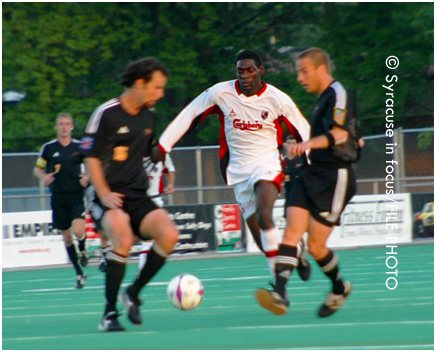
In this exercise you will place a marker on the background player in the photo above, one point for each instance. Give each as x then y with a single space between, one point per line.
59 166
251 113
320 195
156 187
293 165
118 136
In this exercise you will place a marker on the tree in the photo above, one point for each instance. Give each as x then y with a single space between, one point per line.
71 61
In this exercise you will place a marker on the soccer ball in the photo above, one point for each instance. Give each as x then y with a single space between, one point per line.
185 292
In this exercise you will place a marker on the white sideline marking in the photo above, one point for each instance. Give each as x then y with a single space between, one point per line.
97 334
362 347
213 279
330 325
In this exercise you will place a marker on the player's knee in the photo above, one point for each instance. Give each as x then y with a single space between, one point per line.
68 241
172 236
264 218
315 248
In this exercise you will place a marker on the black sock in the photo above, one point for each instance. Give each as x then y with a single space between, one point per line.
71 250
82 243
286 261
116 267
330 266
155 260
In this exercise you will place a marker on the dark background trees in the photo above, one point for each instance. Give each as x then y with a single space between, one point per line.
68 57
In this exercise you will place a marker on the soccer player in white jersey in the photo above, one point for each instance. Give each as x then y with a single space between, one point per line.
156 187
251 113
155 173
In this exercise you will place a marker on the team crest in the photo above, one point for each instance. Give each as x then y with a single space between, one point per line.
339 116
264 115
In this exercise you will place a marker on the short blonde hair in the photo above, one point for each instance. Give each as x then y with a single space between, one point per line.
64 115
319 57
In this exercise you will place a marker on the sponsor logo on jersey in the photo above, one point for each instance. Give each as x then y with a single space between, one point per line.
246 125
56 155
264 115
339 116
148 131
232 113
123 130
87 143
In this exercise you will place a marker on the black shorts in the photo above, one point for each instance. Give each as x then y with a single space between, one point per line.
66 208
137 206
324 191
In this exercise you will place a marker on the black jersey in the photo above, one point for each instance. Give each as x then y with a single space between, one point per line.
336 107
65 162
120 141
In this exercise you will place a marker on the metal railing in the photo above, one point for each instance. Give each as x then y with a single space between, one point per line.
199 180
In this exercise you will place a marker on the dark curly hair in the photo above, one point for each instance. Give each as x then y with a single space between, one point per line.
143 68
249 54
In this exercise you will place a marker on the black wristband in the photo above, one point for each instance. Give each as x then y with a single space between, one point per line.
330 139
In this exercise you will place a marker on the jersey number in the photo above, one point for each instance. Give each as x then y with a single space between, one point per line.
121 153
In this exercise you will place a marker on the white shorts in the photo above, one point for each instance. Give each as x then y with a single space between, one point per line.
244 191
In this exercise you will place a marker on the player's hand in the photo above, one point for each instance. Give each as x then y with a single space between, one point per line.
170 189
84 180
297 149
112 200
49 178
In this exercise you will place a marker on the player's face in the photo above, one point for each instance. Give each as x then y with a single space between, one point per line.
154 90
64 126
249 76
308 75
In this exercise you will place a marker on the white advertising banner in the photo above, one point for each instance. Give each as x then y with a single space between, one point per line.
367 220
374 220
30 240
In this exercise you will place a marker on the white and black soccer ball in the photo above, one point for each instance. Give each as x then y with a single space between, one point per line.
185 292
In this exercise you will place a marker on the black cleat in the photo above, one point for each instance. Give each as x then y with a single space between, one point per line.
334 302
303 267
110 322
132 307
103 265
272 300
81 279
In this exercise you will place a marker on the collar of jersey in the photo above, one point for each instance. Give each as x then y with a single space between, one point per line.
259 93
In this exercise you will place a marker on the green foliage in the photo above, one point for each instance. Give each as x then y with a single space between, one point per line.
68 56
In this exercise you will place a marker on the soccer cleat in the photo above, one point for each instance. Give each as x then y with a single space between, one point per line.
273 301
303 267
83 258
110 322
132 306
334 302
102 266
81 279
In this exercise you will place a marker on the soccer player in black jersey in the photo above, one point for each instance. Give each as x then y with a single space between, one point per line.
118 136
59 166
325 187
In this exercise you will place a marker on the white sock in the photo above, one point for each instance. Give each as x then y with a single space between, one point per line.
145 248
270 240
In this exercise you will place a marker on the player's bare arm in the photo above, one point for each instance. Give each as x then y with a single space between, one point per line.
46 178
339 136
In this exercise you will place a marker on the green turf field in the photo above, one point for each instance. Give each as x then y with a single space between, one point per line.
42 310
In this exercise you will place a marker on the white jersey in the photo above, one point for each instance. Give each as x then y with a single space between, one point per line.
251 127
155 174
